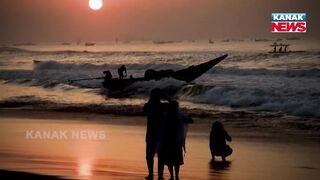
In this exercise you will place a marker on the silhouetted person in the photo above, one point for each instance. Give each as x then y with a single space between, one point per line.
155 111
121 72
280 49
172 143
285 48
218 137
275 48
107 75
275 45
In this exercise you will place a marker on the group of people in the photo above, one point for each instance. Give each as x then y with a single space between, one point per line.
122 72
166 135
282 47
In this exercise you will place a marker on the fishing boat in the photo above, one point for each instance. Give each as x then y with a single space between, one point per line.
189 74
89 44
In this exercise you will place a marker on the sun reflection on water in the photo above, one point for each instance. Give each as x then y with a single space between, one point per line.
85 168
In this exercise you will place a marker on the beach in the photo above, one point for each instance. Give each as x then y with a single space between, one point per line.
53 125
85 84
120 154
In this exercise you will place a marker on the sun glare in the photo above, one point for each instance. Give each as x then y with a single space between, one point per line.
95 4
84 169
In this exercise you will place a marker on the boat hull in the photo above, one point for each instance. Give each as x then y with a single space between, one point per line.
189 74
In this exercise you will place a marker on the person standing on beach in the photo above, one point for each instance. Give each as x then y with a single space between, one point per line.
155 111
173 141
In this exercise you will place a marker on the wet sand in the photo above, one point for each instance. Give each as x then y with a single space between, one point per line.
16 175
121 154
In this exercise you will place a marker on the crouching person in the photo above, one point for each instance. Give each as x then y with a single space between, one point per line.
218 145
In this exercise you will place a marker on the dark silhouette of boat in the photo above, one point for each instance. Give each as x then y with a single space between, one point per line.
36 61
165 42
89 44
189 74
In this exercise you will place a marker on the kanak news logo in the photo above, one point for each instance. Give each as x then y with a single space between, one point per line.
288 22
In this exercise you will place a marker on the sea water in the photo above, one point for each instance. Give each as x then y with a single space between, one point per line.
251 79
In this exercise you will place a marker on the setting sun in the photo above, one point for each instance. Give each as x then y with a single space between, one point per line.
95 4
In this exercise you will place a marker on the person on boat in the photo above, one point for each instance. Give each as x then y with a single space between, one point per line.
107 75
155 111
275 45
218 137
280 49
275 48
285 47
122 71
172 143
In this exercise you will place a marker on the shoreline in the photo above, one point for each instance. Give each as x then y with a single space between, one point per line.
200 125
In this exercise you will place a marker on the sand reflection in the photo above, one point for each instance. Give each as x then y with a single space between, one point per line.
122 154
85 168
219 168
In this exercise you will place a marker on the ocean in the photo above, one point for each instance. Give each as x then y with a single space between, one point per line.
251 80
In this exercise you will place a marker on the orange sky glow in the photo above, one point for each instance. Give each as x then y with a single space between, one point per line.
71 20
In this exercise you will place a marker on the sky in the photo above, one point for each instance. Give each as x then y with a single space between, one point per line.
73 20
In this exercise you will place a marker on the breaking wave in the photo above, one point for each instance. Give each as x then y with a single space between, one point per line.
292 91
295 103
312 73
240 118
290 98
62 72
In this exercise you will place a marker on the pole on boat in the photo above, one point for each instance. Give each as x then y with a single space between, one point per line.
84 79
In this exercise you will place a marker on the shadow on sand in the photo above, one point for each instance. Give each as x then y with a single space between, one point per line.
219 168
